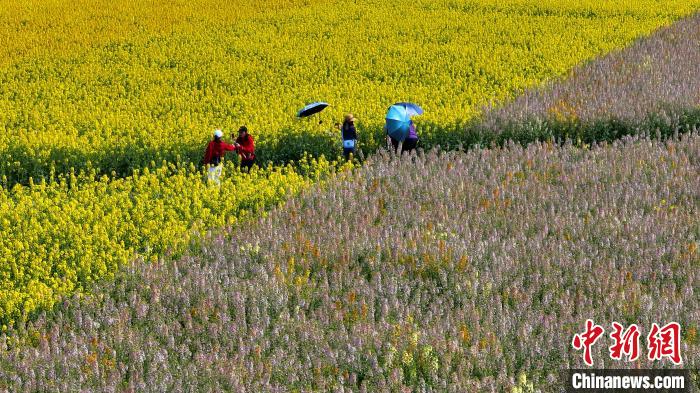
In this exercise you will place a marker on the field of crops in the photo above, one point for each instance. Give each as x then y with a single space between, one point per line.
651 86
121 84
453 272
59 237
104 114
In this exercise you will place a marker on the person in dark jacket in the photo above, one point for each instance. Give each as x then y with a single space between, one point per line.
245 146
213 157
349 134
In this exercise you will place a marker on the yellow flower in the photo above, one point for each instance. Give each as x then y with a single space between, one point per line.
407 358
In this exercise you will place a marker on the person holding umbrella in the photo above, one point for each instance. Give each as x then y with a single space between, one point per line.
409 143
349 134
400 128
245 146
213 157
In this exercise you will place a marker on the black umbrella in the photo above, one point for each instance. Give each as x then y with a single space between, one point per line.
312 109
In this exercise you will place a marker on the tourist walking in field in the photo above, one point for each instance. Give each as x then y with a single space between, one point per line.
349 134
409 144
214 155
245 146
400 129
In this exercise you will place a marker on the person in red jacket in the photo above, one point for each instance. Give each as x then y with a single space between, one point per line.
245 146
216 149
214 155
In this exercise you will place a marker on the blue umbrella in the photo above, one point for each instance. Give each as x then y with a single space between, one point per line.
397 122
413 109
312 109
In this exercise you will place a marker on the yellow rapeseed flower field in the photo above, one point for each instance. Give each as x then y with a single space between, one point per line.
60 236
93 91
120 84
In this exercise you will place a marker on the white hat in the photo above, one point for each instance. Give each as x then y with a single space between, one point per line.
218 133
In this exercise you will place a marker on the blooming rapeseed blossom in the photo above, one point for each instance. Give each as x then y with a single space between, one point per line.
100 93
59 237
85 114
